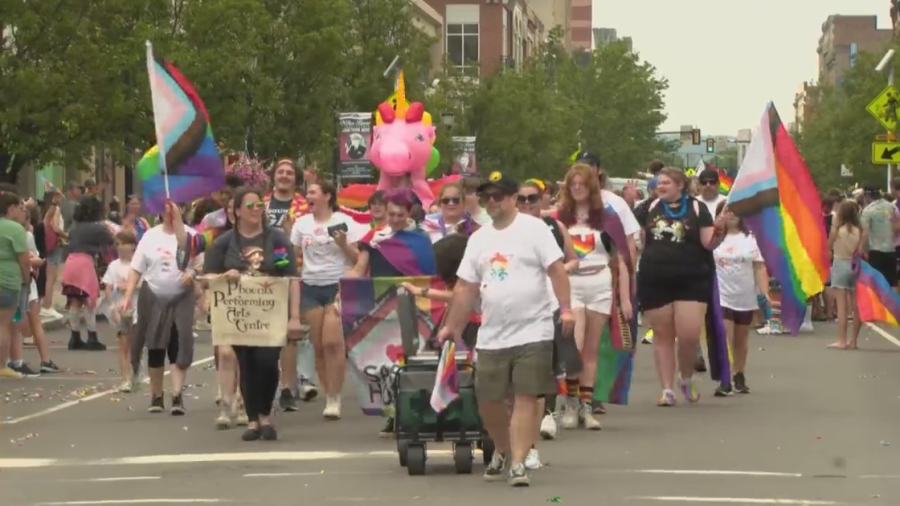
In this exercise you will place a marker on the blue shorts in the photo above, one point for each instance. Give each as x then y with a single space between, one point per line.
314 297
55 257
10 299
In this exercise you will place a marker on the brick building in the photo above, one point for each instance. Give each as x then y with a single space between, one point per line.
582 22
843 38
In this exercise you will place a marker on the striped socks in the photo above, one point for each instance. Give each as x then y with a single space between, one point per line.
573 388
586 395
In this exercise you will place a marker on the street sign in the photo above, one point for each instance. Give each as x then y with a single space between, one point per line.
885 108
845 171
886 137
885 153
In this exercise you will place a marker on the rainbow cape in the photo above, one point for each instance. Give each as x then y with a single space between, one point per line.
190 159
408 251
875 300
775 195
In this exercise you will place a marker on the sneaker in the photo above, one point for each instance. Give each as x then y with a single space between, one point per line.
667 399
242 420
723 390
225 420
25 370
50 314
533 460
599 408
308 392
548 427
49 367
518 476
586 418
6 372
740 384
125 387
494 470
28 341
570 414
157 405
332 408
689 390
268 433
286 401
700 364
648 337
177 405
388 430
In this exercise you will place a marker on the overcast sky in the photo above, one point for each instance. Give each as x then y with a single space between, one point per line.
725 59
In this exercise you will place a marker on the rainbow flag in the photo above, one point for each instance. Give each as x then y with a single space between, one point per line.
775 195
185 164
446 382
875 300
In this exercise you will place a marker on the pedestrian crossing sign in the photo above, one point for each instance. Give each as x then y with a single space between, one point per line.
885 107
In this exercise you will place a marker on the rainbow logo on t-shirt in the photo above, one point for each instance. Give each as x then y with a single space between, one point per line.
584 244
499 265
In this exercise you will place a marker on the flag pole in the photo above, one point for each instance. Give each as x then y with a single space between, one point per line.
159 139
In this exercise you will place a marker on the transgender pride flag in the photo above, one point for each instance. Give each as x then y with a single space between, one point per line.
446 384
185 164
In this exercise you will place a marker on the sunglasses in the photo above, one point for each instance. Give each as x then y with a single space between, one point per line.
531 199
255 205
451 200
709 182
492 196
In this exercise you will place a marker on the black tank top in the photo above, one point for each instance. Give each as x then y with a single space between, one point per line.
554 228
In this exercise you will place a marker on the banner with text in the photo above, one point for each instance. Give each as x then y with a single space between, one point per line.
464 163
353 144
249 312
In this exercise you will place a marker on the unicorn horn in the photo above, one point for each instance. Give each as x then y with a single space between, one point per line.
400 89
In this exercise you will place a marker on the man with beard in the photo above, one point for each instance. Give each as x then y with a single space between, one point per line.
283 206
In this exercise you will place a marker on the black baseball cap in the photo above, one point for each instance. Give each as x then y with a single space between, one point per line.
499 180
588 158
708 175
872 190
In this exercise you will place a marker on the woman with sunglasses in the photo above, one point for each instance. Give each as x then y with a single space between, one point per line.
529 201
232 255
452 216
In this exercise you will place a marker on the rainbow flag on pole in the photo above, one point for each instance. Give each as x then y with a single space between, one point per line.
775 195
185 164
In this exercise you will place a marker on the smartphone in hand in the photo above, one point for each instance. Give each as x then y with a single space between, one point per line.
339 227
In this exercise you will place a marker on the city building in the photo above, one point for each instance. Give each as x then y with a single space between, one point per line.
805 101
604 36
582 22
556 14
843 38
427 20
483 36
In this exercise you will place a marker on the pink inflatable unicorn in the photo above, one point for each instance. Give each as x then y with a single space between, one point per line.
401 147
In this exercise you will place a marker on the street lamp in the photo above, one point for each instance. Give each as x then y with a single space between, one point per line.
447 119
886 63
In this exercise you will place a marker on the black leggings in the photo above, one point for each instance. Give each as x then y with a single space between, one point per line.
259 378
157 358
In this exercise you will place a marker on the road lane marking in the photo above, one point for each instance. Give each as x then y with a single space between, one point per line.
734 500
136 501
720 473
81 377
891 339
880 477
92 397
114 479
320 473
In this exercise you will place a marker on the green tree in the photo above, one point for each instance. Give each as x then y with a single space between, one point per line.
841 131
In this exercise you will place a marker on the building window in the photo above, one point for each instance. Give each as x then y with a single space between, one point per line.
462 46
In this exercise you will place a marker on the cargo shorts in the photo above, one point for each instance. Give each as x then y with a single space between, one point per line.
525 370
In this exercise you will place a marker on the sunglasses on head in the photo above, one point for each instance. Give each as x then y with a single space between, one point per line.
451 200
492 196
531 199
255 205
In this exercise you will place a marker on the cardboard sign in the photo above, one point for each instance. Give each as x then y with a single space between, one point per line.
250 312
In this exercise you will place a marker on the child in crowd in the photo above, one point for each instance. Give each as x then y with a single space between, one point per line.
115 281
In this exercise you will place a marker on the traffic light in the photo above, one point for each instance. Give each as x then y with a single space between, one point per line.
695 136
710 145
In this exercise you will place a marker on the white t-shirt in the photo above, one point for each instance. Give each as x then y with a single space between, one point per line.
511 267
155 259
323 260
713 204
117 273
588 246
734 269
626 214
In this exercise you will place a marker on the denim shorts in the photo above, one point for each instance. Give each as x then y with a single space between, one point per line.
55 257
313 297
10 299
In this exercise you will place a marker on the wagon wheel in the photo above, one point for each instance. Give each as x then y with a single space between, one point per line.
415 459
462 458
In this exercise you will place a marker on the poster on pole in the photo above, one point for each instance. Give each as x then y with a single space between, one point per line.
464 163
249 312
354 135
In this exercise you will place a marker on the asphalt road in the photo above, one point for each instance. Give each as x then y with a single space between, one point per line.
817 430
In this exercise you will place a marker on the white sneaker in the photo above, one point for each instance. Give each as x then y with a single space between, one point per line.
225 420
570 414
586 418
332 408
533 460
308 392
126 387
50 313
28 341
548 429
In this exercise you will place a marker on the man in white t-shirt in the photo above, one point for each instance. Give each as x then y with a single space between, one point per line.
709 190
506 263
619 205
